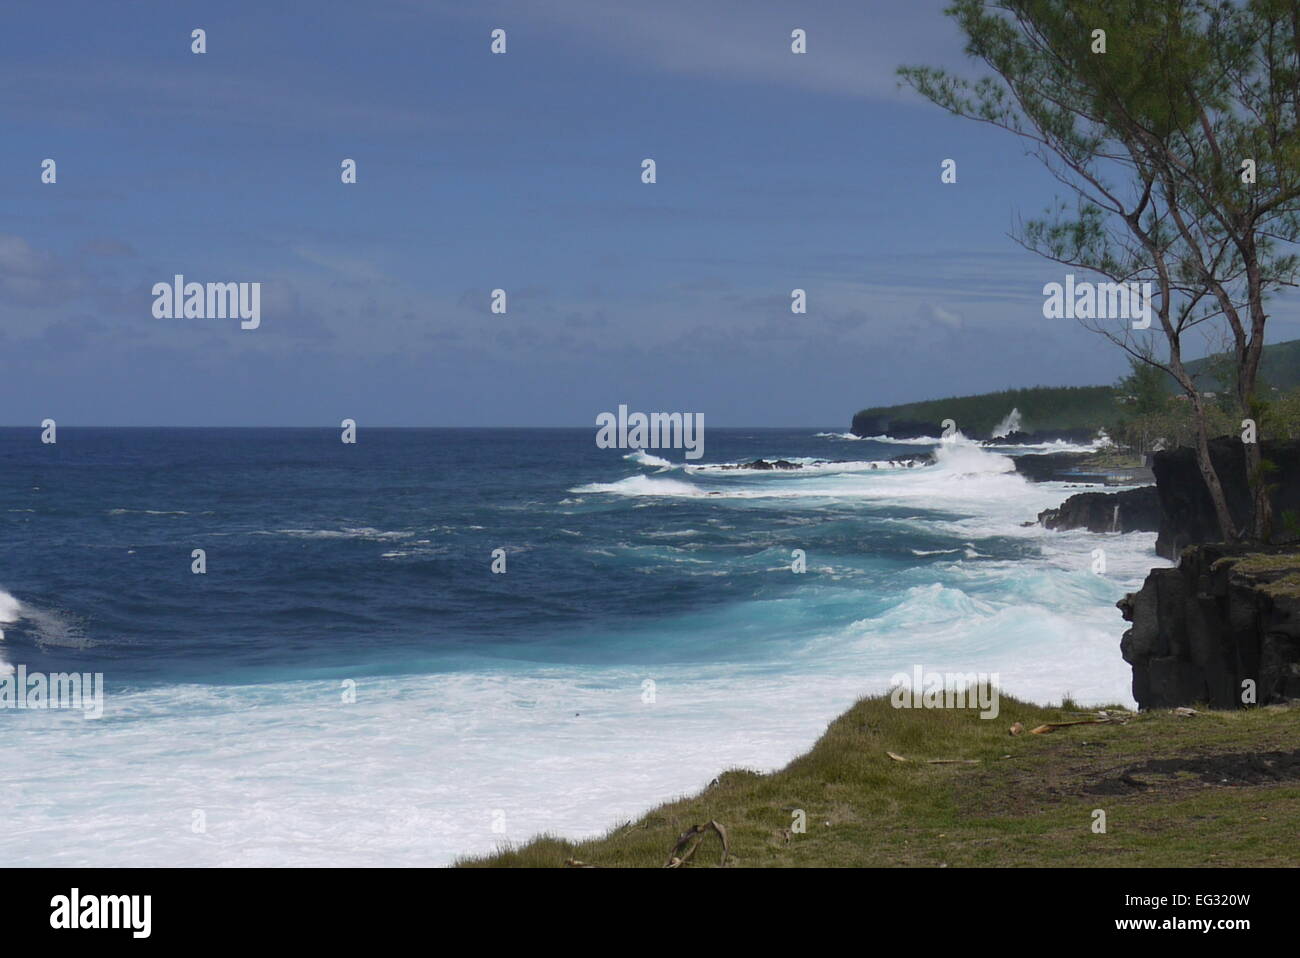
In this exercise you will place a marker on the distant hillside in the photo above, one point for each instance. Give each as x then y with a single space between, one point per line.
1051 408
1279 367
1041 408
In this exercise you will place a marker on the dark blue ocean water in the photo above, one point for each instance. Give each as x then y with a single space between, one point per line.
378 553
323 554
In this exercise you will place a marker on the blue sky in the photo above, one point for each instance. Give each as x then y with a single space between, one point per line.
522 172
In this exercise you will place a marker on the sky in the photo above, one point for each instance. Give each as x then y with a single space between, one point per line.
519 171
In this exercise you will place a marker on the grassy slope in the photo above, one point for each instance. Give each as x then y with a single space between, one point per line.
1028 801
1279 366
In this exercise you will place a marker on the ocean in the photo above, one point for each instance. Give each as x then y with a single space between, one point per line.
350 682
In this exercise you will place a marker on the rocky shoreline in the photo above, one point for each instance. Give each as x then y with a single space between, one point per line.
867 427
1133 510
765 465
1187 514
1081 467
1223 627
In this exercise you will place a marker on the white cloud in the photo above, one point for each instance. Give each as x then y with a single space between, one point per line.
946 317
348 267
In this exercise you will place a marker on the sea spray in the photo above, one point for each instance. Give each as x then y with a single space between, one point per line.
1010 424
11 610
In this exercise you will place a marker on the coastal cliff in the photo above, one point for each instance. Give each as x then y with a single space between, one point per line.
1222 618
1178 506
1072 413
1133 510
1186 512
1227 619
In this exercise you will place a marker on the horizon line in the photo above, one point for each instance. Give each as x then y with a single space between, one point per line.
334 428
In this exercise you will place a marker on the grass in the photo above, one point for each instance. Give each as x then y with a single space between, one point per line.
1285 587
1112 457
1259 562
1279 572
1216 788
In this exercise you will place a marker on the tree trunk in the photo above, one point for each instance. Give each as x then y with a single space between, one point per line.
1261 524
1227 528
1261 527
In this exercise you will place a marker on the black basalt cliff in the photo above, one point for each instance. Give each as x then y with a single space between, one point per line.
1223 629
1178 506
1186 511
866 425
1133 510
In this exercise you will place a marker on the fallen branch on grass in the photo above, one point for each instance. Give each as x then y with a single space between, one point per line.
936 761
693 836
1053 726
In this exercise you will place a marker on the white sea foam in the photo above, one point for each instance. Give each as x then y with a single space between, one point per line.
11 610
643 486
289 776
415 771
643 458
962 468
1010 424
964 458
1055 445
46 626
364 532
808 466
917 441
1012 449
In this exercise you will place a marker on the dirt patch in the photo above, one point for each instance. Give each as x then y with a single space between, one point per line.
1235 769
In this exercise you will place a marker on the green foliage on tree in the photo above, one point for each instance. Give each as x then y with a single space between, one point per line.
1175 124
1144 390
